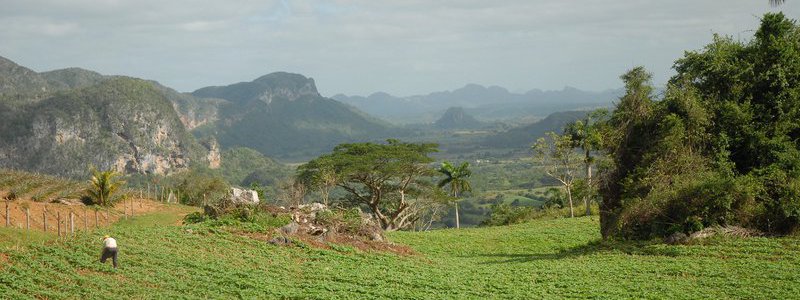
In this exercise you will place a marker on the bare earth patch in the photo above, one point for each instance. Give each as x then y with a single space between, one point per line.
83 217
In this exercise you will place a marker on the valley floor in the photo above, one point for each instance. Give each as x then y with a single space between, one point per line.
543 259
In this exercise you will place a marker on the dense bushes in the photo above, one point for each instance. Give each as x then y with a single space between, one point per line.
240 218
720 148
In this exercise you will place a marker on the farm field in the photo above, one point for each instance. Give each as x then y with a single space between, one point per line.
542 259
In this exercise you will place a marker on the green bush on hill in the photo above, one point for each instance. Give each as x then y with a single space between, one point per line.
721 148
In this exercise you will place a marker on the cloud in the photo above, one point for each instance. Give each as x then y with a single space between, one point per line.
362 46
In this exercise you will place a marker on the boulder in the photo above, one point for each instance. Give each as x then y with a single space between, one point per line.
313 207
676 238
280 241
376 236
290 228
243 196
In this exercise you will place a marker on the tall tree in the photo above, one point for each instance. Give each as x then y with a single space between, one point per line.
555 154
387 178
456 178
587 135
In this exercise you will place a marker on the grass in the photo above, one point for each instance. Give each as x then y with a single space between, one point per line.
543 259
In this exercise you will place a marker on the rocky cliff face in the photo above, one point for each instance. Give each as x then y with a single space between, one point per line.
122 123
62 121
193 111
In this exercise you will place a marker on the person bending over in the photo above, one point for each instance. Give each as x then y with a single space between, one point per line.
109 250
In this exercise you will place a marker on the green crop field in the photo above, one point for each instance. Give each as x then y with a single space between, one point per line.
559 258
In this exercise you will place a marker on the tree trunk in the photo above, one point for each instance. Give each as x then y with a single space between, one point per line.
458 223
586 197
569 197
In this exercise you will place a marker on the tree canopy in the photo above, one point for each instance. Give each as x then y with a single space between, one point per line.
721 148
390 179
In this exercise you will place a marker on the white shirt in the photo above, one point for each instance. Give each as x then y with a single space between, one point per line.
110 243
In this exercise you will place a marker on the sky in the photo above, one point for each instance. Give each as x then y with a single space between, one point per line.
359 47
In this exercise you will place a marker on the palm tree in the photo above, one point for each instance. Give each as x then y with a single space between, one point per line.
776 2
103 186
456 178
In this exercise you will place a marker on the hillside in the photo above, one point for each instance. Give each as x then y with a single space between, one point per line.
525 136
121 123
16 79
457 118
283 115
543 259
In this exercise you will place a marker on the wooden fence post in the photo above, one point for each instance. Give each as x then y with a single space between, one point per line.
95 218
85 221
27 218
8 217
71 222
58 222
44 218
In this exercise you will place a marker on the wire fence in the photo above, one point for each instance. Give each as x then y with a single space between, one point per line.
67 218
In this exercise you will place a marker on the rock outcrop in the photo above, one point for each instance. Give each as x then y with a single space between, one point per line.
122 123
243 196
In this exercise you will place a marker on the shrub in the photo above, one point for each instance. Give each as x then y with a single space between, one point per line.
341 220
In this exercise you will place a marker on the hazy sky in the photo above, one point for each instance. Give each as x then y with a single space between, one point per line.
363 46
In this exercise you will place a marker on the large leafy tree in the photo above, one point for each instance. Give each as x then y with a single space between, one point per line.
389 179
456 178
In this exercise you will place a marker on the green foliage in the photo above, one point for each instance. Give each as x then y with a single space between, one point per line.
456 177
245 166
543 259
341 220
505 214
239 219
103 187
386 178
201 186
721 148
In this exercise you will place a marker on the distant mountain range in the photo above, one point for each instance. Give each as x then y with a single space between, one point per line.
485 103
61 121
